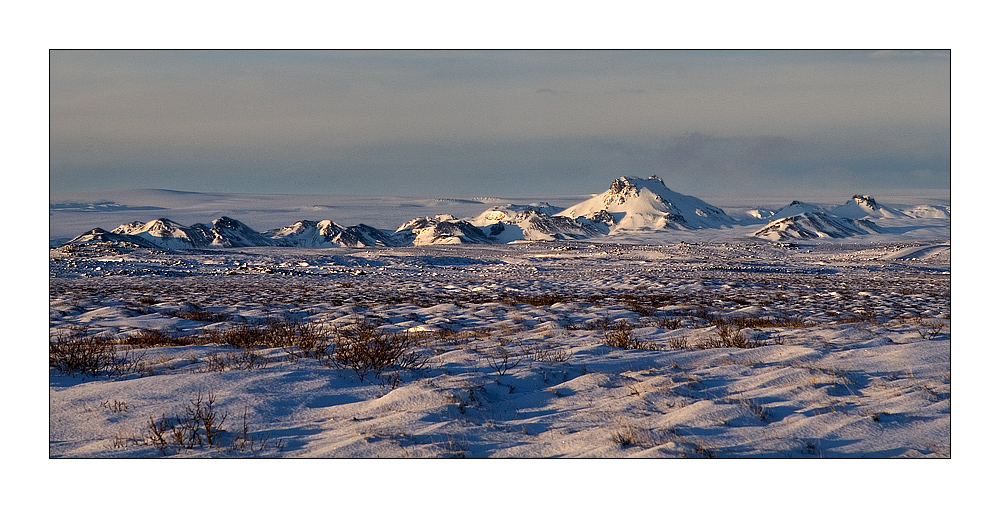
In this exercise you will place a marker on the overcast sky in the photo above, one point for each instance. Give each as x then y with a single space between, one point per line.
499 123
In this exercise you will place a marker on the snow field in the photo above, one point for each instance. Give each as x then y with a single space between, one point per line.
850 351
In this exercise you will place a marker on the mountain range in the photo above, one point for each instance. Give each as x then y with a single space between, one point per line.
629 205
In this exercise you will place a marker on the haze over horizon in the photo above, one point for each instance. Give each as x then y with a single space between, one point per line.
499 122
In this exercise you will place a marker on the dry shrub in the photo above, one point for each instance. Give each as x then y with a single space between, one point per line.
549 354
931 331
244 336
365 348
780 321
196 313
729 336
502 358
240 359
200 426
246 442
75 352
535 300
670 323
156 338
622 334
297 338
679 343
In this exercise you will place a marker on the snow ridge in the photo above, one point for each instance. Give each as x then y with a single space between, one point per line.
167 234
326 233
630 204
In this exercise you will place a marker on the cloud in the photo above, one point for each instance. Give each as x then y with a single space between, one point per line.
894 53
237 118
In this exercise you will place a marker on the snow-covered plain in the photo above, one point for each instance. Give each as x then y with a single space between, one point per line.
850 337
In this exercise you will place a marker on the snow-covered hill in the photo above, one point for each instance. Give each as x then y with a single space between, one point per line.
929 212
794 208
326 233
645 204
810 225
233 233
533 222
98 235
167 234
860 207
441 229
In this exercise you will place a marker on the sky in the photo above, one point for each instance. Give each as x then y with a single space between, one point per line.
499 122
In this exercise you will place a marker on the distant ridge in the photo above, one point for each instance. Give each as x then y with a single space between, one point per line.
630 204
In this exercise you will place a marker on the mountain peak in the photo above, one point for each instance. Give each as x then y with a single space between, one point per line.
863 205
647 203
866 201
632 184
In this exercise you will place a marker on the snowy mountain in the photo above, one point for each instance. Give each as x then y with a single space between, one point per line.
167 234
794 208
809 225
929 212
865 206
760 214
442 229
533 222
642 204
233 233
98 235
326 233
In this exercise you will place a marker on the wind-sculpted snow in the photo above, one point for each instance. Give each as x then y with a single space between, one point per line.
846 353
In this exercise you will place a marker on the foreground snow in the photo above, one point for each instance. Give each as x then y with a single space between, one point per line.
854 360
